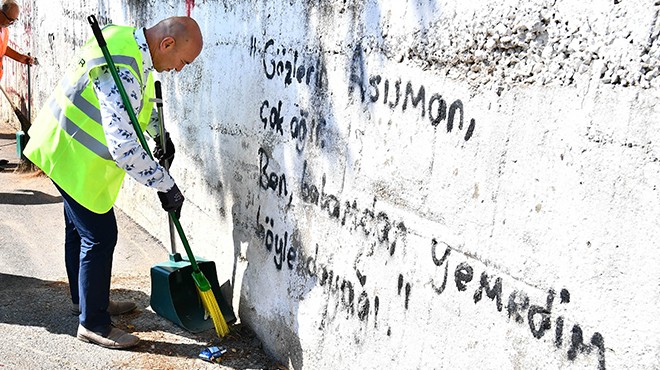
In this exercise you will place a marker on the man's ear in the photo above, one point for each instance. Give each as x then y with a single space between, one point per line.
167 42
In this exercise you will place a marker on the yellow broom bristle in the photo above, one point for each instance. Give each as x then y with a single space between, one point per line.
211 306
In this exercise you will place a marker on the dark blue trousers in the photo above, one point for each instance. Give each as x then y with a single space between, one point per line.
89 243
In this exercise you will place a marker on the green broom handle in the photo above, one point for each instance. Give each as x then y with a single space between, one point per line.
124 97
184 241
113 71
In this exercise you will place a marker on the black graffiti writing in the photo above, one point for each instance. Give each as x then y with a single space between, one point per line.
290 68
303 128
269 179
538 328
347 294
253 46
578 346
559 325
410 95
363 306
342 289
72 39
438 114
351 298
275 243
303 125
73 13
518 302
463 275
370 222
361 278
455 106
439 262
559 332
272 118
412 98
519 308
407 290
494 292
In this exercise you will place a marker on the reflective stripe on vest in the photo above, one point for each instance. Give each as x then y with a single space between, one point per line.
78 134
73 92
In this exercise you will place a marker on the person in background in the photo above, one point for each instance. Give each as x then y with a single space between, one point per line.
84 141
8 16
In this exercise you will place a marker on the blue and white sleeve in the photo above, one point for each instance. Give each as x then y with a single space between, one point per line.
121 139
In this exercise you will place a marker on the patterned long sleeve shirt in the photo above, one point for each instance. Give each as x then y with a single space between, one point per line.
120 136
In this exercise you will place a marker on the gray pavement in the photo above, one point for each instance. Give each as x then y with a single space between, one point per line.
37 328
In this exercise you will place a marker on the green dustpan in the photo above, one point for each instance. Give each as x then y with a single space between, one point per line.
173 291
174 294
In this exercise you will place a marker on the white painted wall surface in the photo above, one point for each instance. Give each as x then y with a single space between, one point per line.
386 235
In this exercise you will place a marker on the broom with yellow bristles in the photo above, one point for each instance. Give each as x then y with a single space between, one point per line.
202 284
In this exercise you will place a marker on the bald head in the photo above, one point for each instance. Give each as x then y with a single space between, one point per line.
10 12
8 5
174 42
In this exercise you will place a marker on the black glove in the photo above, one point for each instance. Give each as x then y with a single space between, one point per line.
165 157
172 200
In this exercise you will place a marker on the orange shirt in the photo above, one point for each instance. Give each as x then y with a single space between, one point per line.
4 39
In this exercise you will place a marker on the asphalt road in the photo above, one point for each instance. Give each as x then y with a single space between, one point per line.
37 328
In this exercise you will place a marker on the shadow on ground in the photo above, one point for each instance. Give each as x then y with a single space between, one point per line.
28 197
29 301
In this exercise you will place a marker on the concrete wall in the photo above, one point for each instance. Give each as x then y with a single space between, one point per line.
413 184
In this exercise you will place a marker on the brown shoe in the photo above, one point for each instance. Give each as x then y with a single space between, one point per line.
116 339
114 308
120 307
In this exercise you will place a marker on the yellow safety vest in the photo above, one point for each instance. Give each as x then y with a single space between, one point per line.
67 140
